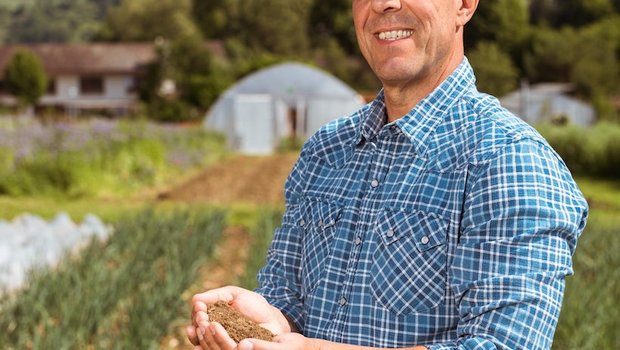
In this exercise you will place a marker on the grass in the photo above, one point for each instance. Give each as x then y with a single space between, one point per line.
48 207
590 316
261 235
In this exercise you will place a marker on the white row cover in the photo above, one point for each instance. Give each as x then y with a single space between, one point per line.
29 242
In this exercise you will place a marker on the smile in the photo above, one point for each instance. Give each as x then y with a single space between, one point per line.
395 34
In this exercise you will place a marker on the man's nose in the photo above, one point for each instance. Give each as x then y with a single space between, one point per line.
381 6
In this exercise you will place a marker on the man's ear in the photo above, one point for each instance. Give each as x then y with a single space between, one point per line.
466 11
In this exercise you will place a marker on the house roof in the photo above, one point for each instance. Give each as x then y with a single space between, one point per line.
84 59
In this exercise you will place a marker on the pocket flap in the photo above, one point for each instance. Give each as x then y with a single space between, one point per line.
328 215
426 230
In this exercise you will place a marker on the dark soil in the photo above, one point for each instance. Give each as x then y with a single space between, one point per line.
236 324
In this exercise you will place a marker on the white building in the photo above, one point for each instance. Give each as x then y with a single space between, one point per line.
285 100
100 76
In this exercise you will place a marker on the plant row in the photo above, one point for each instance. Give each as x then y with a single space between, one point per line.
122 294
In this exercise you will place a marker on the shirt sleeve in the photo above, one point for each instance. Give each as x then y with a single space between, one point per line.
522 216
279 280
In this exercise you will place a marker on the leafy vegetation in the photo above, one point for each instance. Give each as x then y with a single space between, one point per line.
98 157
593 152
123 293
25 78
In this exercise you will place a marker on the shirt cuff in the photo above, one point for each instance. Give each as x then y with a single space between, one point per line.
472 343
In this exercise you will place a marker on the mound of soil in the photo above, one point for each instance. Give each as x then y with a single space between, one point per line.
249 179
236 324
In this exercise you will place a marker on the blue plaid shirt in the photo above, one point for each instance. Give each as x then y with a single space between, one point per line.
452 227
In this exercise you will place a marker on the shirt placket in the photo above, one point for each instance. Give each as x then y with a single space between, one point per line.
379 163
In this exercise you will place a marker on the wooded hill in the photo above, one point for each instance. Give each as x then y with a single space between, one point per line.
574 41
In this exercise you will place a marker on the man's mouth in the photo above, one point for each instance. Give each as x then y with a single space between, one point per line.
395 34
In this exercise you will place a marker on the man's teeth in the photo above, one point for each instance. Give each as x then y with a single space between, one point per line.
395 34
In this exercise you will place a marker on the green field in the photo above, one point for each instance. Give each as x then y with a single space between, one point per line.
115 297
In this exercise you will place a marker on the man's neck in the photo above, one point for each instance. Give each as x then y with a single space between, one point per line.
403 97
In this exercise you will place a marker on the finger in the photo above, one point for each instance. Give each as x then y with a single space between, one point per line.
211 296
202 316
190 331
206 340
199 306
221 337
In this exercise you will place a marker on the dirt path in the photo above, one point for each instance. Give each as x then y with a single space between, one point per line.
238 179
246 179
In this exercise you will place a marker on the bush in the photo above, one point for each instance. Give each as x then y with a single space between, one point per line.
25 78
593 152
495 72
290 143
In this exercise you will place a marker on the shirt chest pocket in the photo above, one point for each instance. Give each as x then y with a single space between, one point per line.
320 222
408 272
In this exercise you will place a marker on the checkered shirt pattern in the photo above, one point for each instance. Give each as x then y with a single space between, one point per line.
452 227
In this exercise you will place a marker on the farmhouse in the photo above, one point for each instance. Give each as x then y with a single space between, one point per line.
100 76
284 100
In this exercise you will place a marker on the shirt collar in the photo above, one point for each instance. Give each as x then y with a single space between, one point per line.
424 118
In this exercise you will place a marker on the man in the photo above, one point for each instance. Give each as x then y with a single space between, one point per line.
430 219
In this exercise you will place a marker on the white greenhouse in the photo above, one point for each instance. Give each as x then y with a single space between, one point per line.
285 100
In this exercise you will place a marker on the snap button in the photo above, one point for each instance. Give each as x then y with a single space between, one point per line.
424 240
358 241
342 301
374 183
302 222
390 233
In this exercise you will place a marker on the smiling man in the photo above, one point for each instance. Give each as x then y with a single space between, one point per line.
432 218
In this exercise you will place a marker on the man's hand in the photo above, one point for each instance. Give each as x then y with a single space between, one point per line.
286 341
212 336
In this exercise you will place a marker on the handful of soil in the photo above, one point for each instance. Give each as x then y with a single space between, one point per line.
236 324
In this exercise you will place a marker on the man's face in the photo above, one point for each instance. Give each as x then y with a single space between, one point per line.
406 40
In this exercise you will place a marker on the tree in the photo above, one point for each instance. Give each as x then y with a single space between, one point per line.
217 18
501 21
145 20
596 70
552 54
53 21
25 77
505 22
183 81
329 20
582 12
276 26
495 72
